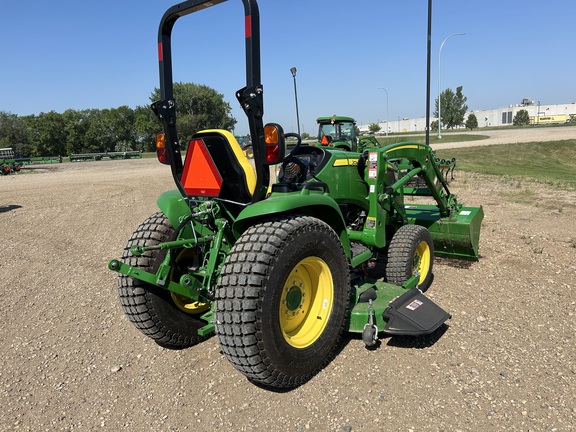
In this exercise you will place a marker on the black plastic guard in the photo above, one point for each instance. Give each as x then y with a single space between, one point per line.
413 314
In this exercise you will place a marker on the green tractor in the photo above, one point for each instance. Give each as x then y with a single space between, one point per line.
337 132
279 270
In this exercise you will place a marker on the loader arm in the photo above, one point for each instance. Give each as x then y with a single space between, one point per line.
421 158
454 228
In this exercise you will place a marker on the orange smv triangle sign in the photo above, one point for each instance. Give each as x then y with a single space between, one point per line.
200 176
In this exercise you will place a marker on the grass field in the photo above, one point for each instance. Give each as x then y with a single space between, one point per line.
552 162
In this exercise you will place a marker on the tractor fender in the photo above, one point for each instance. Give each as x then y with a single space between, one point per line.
318 205
173 205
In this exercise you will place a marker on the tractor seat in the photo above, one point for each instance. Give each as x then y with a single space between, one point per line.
234 180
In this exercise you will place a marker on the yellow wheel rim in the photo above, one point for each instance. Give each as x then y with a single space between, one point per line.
421 261
306 302
188 305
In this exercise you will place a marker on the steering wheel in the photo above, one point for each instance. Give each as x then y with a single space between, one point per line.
296 147
294 170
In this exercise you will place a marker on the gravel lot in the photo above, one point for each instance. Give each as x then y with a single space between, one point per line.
72 362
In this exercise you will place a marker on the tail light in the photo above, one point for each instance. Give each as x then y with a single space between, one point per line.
161 149
275 144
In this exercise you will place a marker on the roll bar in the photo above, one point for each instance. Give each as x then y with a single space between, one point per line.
250 96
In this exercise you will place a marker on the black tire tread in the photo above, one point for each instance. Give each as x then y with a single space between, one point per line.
238 299
136 296
401 250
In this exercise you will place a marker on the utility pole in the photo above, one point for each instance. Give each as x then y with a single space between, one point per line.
293 70
381 88
439 87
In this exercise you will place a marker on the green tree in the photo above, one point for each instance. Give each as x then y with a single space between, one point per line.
96 135
98 130
374 127
521 118
119 123
76 125
471 122
13 133
453 108
199 107
146 126
47 134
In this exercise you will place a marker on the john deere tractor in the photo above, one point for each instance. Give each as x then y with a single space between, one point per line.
337 132
279 270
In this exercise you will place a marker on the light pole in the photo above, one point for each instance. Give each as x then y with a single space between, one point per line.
293 70
381 88
440 88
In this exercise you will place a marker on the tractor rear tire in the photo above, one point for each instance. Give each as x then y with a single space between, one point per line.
282 300
156 312
411 249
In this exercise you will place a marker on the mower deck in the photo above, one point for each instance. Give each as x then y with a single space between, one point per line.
396 310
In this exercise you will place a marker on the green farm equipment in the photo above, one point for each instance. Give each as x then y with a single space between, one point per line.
279 270
246 145
447 166
337 132
8 162
90 157
7 168
11 162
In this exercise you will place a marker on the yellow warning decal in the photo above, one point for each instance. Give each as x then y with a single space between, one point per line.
371 222
345 162
411 146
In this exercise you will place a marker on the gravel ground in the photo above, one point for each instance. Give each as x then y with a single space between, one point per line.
72 362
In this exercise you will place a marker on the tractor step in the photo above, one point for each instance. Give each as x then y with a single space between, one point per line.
413 314
454 237
360 253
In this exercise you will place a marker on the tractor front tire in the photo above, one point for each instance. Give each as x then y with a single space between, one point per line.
410 250
282 300
167 318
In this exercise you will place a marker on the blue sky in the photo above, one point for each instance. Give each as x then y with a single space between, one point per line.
64 54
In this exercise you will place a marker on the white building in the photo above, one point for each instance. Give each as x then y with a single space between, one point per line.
539 114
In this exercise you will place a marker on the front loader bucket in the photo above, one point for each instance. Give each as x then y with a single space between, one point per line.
454 237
